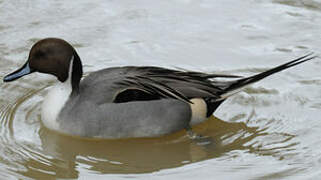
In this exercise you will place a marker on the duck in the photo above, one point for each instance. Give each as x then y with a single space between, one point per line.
128 101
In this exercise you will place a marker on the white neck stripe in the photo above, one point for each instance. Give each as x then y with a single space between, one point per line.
56 100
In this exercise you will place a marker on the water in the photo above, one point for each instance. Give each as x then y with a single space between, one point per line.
269 131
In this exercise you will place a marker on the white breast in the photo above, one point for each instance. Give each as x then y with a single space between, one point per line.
53 103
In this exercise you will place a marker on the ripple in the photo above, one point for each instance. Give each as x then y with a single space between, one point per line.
311 82
286 50
260 90
307 4
316 105
249 100
12 125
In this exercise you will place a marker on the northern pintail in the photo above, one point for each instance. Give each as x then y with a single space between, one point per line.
123 102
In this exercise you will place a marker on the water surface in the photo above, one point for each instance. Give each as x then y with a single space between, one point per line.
269 131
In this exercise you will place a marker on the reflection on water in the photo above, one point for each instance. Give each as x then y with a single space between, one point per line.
37 152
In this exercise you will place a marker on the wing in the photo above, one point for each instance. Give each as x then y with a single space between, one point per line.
183 85
149 83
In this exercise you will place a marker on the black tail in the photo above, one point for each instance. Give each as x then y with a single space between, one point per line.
237 84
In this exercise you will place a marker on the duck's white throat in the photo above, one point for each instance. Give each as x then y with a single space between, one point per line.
55 101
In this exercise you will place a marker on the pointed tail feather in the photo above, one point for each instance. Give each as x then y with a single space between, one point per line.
233 86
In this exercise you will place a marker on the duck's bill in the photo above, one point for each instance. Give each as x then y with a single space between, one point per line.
24 70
